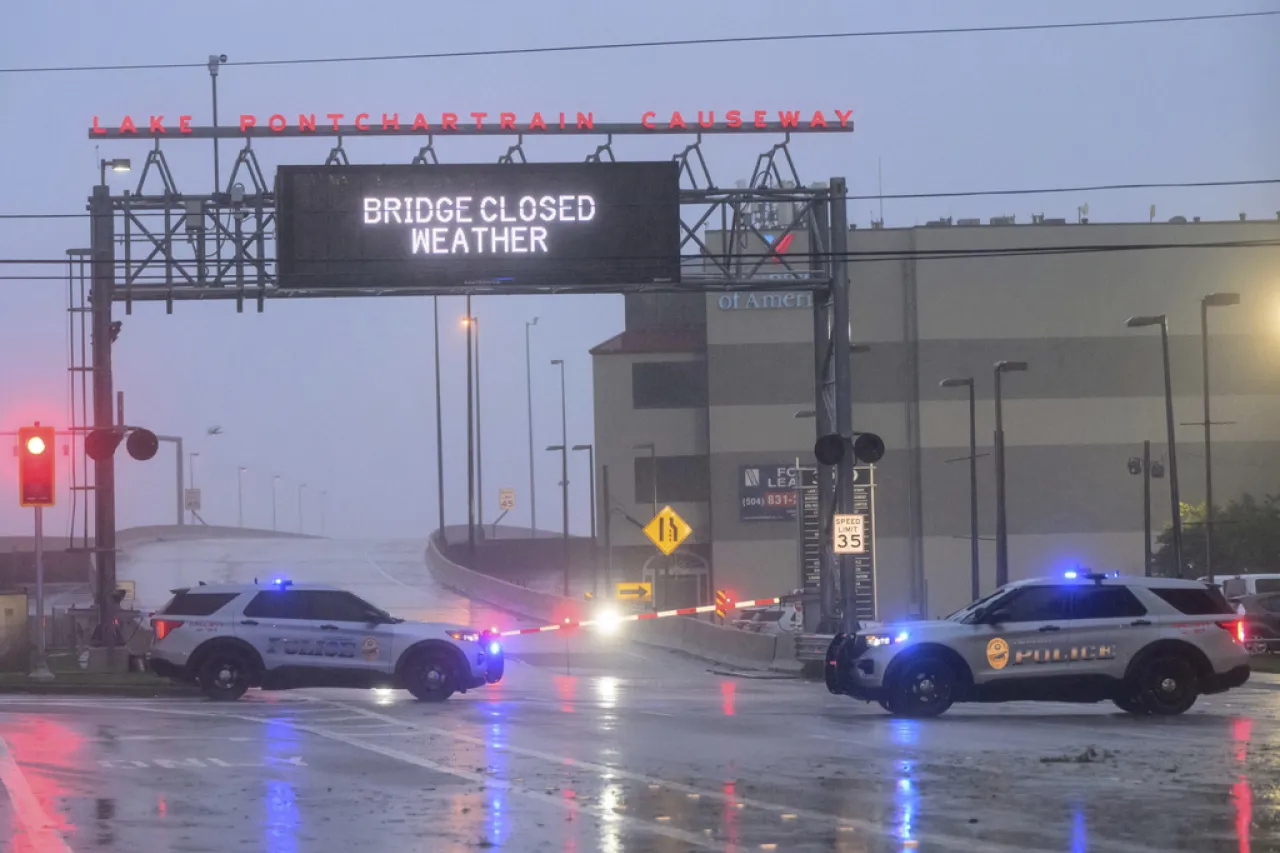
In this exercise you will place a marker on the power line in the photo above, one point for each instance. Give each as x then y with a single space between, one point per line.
887 196
698 42
863 256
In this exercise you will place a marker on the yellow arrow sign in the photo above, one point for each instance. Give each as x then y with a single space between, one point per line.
667 530
634 591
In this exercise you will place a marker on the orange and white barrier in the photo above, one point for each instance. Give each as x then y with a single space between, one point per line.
611 621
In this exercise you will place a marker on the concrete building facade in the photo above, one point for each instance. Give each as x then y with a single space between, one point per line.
715 383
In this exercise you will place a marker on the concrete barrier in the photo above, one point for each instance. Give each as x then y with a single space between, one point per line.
174 533
690 635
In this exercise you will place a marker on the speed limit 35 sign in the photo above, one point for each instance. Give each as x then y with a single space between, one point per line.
848 534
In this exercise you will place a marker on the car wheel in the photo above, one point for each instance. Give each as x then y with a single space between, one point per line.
429 676
1129 702
224 675
1168 685
885 705
922 686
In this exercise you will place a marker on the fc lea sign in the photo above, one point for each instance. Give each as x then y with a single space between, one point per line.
848 534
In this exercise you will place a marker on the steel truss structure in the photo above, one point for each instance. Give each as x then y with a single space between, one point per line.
159 244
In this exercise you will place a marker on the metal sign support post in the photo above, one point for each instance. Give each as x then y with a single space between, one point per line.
843 390
40 671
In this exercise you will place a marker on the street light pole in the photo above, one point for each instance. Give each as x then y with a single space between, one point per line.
591 465
1002 527
1212 300
301 527
471 457
191 470
974 556
240 496
1175 500
275 481
475 330
435 317
528 387
653 470
564 468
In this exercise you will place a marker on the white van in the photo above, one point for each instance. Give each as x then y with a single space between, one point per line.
1237 586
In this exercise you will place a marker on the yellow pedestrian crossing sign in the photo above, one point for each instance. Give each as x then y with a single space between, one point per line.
667 530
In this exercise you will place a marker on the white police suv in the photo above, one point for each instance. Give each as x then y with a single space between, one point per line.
1151 645
279 636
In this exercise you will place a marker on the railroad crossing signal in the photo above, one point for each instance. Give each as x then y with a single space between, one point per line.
629 591
722 602
667 530
36 466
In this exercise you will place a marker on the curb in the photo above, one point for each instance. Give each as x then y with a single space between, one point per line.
122 690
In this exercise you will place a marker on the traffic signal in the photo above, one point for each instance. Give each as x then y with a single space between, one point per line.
866 447
722 602
36 465
101 444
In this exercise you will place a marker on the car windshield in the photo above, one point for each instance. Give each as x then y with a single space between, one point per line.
969 612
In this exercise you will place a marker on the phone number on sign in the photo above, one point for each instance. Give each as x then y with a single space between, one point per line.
772 499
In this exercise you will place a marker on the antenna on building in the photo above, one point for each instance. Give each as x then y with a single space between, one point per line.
1082 214
880 190
1153 214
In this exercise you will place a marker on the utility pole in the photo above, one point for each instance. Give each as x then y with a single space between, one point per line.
1146 508
475 330
1175 499
975 577
102 248
1002 526
40 671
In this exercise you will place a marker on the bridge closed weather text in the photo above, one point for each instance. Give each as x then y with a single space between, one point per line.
484 225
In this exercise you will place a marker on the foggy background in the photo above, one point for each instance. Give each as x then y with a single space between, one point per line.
339 393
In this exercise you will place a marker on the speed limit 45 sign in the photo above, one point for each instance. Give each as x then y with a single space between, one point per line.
848 534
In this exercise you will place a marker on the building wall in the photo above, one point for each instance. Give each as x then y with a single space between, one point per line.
1093 393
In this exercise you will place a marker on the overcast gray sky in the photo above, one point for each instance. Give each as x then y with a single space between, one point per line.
339 393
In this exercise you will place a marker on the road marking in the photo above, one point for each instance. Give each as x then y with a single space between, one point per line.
40 829
491 781
195 763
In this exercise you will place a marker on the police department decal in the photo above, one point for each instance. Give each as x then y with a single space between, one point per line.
369 648
997 653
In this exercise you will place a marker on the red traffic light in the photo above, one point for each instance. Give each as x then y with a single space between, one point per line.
36 466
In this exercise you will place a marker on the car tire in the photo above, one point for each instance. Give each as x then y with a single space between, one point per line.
1167 685
922 685
225 674
1130 703
429 675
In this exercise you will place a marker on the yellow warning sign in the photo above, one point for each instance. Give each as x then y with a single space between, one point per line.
630 591
667 530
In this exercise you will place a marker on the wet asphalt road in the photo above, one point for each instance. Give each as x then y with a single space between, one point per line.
609 747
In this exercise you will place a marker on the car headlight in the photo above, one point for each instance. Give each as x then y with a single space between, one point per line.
465 636
874 640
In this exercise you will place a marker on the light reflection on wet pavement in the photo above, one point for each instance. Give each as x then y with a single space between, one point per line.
598 745
664 757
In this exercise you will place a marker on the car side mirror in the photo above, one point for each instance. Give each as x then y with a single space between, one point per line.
996 617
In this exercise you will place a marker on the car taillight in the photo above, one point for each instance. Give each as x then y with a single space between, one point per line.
164 627
1235 628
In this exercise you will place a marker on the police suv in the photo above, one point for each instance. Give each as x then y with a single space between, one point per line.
278 636
1151 645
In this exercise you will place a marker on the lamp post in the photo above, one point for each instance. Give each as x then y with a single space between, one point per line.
564 489
435 319
301 526
191 471
471 458
974 575
528 387
564 467
275 481
1175 501
117 165
240 496
475 334
1211 300
1002 528
591 465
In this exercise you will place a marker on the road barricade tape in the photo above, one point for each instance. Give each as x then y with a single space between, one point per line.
570 624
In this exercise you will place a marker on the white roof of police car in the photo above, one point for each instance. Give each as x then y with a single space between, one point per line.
261 586
1111 580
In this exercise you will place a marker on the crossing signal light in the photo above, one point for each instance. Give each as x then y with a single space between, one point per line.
722 602
101 444
36 466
